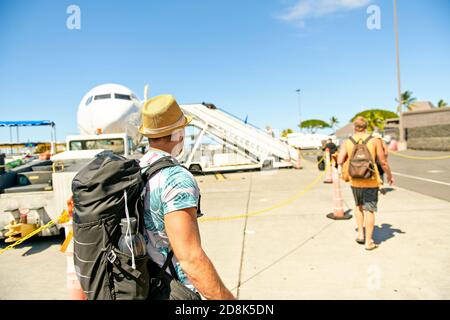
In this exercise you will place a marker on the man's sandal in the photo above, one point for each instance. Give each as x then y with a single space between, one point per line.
360 241
372 247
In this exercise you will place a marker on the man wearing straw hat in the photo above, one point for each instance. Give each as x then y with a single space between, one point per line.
171 200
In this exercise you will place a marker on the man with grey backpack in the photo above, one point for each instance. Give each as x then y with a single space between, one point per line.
172 205
357 156
136 235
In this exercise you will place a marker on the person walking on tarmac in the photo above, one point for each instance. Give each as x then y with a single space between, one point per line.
365 189
172 200
331 147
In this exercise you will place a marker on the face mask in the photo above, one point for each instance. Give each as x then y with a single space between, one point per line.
177 151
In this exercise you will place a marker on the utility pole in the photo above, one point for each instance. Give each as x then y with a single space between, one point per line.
299 109
402 141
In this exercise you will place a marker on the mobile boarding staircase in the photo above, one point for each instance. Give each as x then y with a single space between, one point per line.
257 148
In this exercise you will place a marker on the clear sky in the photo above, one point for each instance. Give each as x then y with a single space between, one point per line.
246 56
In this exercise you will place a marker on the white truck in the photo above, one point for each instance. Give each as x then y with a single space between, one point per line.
108 120
118 143
307 140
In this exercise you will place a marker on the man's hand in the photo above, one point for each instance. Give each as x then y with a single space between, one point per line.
391 180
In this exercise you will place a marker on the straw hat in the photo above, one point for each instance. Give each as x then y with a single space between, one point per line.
161 116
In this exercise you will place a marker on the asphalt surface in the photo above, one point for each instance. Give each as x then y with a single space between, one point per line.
426 176
269 238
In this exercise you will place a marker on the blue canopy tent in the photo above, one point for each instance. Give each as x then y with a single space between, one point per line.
26 123
17 124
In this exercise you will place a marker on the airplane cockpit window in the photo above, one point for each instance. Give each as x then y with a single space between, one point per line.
122 96
102 96
89 100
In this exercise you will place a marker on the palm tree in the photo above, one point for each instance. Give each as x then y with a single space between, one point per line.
375 118
442 104
285 132
313 125
407 100
334 122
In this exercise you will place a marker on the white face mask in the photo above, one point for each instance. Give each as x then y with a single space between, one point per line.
177 151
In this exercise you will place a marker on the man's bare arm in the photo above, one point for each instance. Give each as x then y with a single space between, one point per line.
342 155
184 236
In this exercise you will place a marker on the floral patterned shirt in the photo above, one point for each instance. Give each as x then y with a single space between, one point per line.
170 189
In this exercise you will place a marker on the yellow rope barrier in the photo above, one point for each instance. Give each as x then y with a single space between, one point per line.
276 206
63 217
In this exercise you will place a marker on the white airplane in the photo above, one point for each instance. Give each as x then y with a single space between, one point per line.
110 108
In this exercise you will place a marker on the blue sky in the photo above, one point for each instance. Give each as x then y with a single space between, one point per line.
246 56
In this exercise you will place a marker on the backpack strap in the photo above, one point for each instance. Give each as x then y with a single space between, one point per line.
363 141
352 140
169 264
164 162
367 139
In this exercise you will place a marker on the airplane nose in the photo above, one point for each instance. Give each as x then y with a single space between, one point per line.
110 116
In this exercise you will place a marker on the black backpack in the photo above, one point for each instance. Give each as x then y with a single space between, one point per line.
98 190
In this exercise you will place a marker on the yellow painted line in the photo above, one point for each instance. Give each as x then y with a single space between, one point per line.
418 158
219 176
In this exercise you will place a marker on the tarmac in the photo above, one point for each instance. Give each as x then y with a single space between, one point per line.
286 248
423 174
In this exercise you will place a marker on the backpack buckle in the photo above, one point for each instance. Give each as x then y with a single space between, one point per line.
111 256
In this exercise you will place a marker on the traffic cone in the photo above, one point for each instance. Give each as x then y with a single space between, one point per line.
328 173
73 284
338 201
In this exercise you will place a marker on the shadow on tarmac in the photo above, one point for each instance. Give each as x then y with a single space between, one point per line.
37 244
385 233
